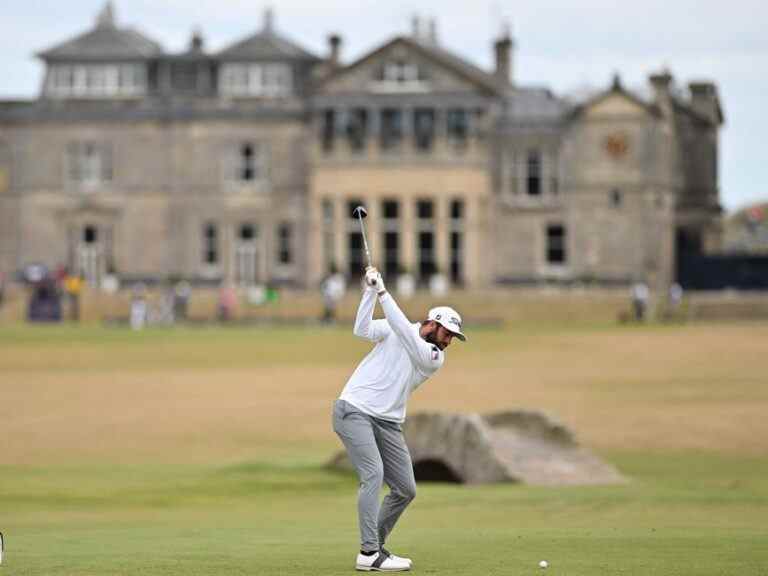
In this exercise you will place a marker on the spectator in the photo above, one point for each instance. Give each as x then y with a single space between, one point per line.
73 286
640 300
139 307
332 288
227 302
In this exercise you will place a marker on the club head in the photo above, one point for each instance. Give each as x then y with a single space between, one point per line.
360 212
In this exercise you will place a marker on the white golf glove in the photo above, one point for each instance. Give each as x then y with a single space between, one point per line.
373 279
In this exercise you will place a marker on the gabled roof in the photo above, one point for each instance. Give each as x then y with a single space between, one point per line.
104 42
438 55
616 89
266 45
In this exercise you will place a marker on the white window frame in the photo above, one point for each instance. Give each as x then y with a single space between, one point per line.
96 80
88 165
268 80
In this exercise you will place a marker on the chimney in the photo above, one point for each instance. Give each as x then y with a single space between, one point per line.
334 50
106 17
433 31
661 82
196 42
705 100
416 27
269 20
503 49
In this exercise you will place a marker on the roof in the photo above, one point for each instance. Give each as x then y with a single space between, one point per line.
266 45
616 88
106 41
533 104
437 54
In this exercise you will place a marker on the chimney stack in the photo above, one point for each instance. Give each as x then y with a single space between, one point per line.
334 50
433 31
269 20
705 100
196 42
416 27
503 50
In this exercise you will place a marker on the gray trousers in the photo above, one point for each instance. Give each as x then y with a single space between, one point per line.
379 454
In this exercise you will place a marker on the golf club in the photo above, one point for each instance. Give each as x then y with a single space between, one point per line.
361 213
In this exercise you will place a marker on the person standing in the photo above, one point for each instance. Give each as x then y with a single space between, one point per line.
369 413
333 288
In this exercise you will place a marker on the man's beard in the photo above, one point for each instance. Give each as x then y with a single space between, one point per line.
432 339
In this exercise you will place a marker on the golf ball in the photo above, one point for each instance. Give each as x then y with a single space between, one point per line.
543 564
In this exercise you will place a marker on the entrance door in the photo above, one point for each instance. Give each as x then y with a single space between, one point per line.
247 255
90 254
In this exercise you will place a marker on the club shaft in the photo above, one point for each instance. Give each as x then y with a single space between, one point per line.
365 241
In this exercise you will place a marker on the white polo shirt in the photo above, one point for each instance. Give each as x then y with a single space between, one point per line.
397 365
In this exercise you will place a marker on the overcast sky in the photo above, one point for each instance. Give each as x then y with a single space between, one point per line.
563 44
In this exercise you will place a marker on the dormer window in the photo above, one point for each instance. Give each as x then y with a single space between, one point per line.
259 80
96 80
397 75
401 72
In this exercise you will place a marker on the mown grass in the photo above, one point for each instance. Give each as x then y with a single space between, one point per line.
201 451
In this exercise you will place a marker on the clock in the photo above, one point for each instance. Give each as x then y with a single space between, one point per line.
616 145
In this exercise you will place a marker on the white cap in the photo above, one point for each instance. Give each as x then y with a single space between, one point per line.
449 319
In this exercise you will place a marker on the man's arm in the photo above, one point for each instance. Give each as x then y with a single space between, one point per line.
424 355
365 326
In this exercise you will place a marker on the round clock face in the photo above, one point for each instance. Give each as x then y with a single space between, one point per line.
616 145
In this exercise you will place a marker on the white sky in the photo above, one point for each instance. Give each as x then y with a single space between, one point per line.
563 44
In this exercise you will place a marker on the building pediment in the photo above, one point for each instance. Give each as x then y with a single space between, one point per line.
615 102
407 66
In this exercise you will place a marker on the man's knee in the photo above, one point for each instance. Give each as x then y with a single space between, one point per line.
408 491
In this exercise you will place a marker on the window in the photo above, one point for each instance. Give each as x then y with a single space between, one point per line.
457 209
329 248
426 240
264 79
533 180
457 125
424 209
96 80
400 75
391 227
456 247
556 244
357 128
284 242
390 208
391 128
88 164
329 129
210 244
424 128
554 173
248 163
247 233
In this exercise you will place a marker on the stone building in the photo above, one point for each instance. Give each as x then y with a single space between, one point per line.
243 165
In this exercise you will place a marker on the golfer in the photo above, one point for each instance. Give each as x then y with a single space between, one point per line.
368 415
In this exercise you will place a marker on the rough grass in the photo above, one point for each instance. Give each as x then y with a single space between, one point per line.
200 451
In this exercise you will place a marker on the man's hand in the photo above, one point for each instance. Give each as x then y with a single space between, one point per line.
373 279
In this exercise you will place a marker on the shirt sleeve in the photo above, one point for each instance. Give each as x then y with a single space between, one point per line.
426 357
365 326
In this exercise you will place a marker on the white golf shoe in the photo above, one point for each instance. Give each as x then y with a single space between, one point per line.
380 562
396 557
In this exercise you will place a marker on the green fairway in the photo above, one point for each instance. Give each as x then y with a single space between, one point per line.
201 451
